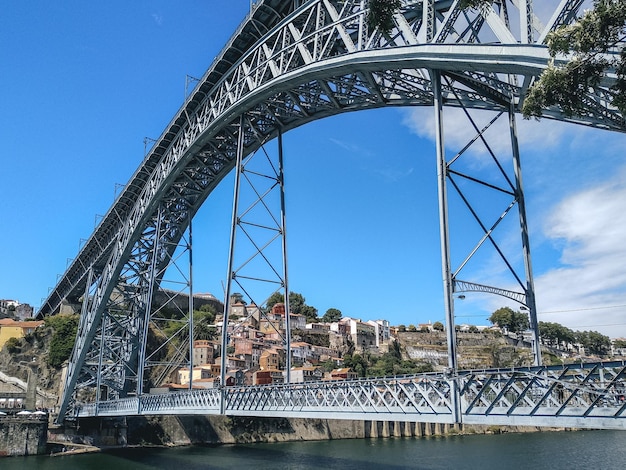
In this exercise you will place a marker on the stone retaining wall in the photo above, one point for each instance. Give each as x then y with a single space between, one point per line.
23 435
211 429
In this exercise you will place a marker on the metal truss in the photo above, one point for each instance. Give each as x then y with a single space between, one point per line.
257 262
117 355
590 396
287 64
578 395
505 193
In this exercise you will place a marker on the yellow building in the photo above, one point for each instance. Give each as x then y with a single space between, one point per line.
16 329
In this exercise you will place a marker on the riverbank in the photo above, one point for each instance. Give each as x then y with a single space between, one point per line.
178 431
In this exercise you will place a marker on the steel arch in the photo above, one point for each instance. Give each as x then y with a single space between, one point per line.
304 63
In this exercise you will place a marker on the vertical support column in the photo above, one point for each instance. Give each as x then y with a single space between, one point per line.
103 327
281 176
526 21
427 31
84 308
146 319
530 285
448 287
360 45
190 325
442 173
231 253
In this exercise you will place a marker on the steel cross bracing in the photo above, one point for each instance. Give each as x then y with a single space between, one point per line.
258 261
577 395
284 67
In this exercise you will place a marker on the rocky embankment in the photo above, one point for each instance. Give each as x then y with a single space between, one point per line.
475 350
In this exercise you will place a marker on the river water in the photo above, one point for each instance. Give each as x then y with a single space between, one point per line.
596 450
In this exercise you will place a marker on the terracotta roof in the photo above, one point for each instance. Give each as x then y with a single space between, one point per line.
20 324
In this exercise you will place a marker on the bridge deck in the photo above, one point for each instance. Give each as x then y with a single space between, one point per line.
580 396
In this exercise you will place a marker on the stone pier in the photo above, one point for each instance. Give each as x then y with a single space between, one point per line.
23 435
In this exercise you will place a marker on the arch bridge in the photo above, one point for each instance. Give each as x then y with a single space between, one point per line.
289 63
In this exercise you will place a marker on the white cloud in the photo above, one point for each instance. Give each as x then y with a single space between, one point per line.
458 130
158 18
588 289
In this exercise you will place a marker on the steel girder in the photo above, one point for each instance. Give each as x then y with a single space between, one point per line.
282 69
589 396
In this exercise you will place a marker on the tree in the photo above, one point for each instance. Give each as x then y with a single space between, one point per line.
297 305
474 4
237 298
619 343
203 328
357 363
395 350
438 326
275 298
513 321
332 315
63 338
597 32
380 14
13 345
310 313
555 333
594 342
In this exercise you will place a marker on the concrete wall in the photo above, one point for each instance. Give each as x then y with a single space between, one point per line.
22 436
211 429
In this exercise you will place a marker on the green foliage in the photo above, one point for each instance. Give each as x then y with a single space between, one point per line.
297 305
237 298
13 345
412 328
332 315
401 328
594 342
389 364
328 365
564 86
555 333
177 330
64 335
598 31
380 14
438 326
474 4
620 343
395 350
513 321
473 329
357 363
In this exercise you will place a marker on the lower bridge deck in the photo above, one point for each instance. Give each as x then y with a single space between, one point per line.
590 395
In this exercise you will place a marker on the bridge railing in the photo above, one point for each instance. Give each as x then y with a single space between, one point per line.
358 399
580 395
576 395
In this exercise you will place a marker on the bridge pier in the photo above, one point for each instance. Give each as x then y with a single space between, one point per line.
385 426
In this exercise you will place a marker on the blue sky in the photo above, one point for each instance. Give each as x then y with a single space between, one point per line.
82 84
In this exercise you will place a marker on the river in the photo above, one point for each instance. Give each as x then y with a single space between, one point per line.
551 450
